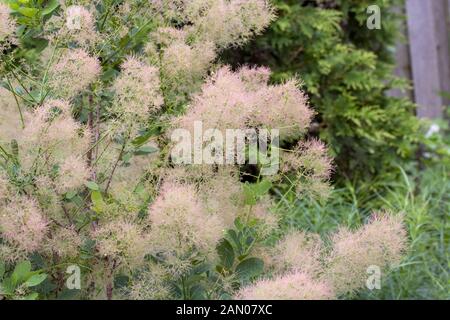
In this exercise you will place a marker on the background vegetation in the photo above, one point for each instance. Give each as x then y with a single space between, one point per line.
347 71
384 158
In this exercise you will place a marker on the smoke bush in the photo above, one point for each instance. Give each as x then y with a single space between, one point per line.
86 174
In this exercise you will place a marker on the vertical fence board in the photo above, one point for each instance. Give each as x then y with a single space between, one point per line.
402 60
424 52
441 19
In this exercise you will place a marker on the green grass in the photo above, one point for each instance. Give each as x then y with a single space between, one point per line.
424 199
424 274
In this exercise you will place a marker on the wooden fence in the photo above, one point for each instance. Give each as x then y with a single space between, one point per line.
425 57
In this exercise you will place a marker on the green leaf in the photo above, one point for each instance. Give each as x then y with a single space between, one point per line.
70 195
35 280
21 272
249 195
7 287
145 150
250 268
252 192
92 186
234 237
121 281
32 296
139 141
28 12
226 253
14 5
220 269
50 7
97 201
127 157
263 187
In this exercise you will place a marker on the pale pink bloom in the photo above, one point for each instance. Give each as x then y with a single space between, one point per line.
241 100
22 223
80 26
228 23
284 107
73 173
300 252
4 186
137 89
12 254
150 285
223 22
310 155
222 197
254 78
51 136
292 286
223 103
123 241
10 123
380 243
8 26
180 224
267 220
73 73
184 67
52 128
65 242
312 166
165 36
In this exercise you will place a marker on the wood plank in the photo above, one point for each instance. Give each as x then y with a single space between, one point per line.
424 53
442 33
402 60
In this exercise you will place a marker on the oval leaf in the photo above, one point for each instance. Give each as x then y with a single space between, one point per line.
21 272
250 268
92 185
226 254
35 280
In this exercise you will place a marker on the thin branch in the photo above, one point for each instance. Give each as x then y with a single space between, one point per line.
22 85
115 166
17 102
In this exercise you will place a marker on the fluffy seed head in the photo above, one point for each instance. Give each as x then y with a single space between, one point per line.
8 27
23 224
180 224
65 242
150 285
242 100
227 23
73 73
80 26
52 130
292 286
122 241
4 186
73 173
380 243
137 91
312 167
298 251
184 67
